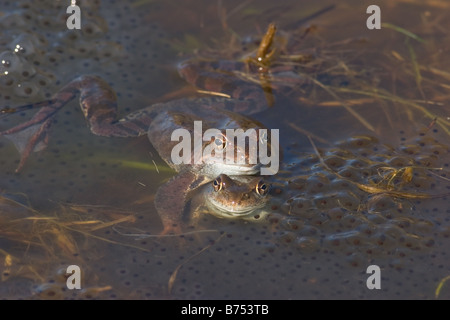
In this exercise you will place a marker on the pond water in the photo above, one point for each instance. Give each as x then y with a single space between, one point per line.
375 103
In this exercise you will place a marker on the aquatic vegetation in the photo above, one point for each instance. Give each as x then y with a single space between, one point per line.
354 201
440 285
33 243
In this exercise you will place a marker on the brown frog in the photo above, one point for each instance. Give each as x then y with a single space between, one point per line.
158 121
242 197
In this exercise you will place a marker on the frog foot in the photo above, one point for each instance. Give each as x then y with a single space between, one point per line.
32 135
98 103
33 138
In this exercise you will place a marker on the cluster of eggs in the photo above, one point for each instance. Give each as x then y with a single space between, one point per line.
366 200
37 49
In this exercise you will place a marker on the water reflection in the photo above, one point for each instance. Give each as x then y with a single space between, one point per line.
323 230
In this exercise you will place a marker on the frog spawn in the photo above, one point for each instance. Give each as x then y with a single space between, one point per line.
40 55
332 213
324 231
287 257
321 235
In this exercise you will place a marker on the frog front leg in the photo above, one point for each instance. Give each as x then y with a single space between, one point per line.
171 199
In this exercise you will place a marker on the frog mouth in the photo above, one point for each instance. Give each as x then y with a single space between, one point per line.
233 212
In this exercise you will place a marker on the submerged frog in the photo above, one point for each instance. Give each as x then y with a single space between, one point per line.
158 121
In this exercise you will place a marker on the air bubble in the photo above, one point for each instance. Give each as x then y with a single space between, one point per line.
10 63
25 45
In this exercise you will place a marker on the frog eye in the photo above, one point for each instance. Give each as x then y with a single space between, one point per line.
262 188
220 143
217 184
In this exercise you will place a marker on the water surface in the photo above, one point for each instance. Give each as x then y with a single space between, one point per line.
81 202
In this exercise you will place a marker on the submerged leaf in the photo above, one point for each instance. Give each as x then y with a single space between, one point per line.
440 285
64 241
145 166
402 30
